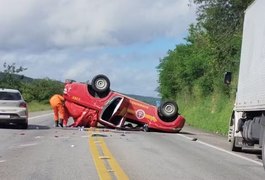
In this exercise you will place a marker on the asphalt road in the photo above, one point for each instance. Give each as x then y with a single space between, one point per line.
45 152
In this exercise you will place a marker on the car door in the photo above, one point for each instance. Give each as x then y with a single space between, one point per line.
114 111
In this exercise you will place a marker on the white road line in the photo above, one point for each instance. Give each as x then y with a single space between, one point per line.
35 117
84 136
38 137
29 144
1 161
223 150
64 137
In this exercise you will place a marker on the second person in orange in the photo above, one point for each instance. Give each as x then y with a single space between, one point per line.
57 104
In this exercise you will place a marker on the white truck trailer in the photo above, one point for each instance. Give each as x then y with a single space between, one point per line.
248 118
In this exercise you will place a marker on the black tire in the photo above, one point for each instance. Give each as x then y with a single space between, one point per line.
263 149
24 126
100 84
233 138
233 147
168 111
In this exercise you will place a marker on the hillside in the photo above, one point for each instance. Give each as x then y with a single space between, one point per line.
146 99
20 77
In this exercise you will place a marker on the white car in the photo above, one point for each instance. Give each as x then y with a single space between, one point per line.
13 108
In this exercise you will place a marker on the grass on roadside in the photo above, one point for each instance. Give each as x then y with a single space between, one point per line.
37 106
211 113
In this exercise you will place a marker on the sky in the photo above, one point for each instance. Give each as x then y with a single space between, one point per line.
66 39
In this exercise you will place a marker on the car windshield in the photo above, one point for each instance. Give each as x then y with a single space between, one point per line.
10 96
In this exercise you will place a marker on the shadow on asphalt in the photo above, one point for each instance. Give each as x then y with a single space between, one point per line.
187 133
259 156
39 127
30 127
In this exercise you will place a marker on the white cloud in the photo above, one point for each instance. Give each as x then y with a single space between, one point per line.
79 39
38 24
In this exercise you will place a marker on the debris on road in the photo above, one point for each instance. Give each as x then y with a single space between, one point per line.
194 139
99 135
81 128
104 157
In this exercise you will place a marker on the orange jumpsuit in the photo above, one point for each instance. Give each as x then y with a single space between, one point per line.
56 102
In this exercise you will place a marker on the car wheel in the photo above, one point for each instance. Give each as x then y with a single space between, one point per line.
100 83
168 111
24 126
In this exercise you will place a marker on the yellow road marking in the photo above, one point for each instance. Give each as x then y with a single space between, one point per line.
106 165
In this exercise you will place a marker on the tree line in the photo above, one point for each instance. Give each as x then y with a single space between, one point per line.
39 90
211 48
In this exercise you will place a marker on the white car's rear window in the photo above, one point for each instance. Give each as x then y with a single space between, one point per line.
10 96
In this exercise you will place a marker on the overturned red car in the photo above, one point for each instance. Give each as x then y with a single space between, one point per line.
92 103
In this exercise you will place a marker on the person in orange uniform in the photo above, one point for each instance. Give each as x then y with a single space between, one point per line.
57 104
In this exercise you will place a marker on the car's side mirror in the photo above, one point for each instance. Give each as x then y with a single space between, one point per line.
228 78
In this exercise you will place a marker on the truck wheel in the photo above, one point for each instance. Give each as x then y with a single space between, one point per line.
168 111
100 83
233 142
263 149
233 147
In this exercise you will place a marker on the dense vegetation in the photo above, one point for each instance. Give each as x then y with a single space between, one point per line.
193 71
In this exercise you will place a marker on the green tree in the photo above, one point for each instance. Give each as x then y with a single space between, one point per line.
212 47
187 67
42 89
222 20
10 77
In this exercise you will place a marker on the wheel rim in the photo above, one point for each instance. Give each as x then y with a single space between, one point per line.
169 109
101 84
